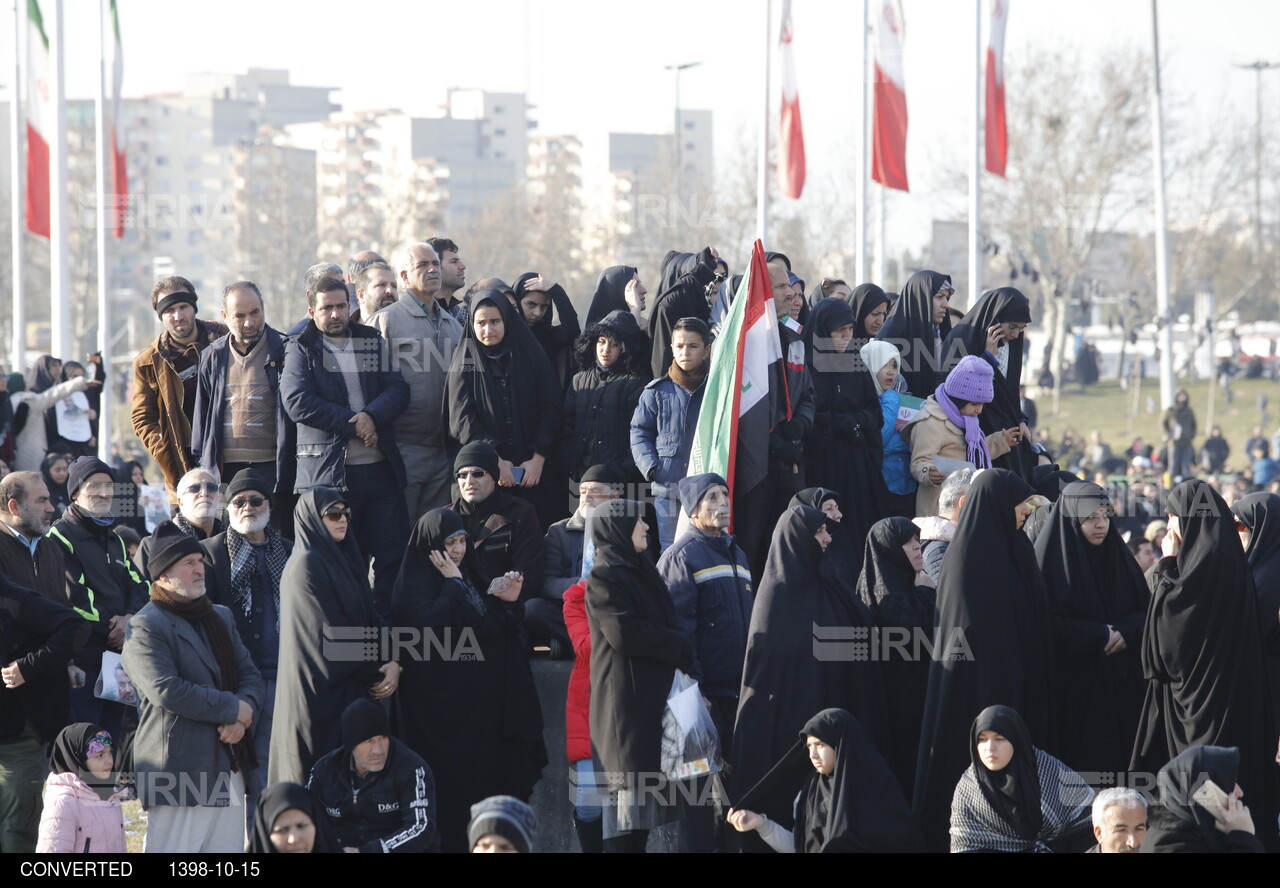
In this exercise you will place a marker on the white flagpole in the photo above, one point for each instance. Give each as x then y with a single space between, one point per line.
975 164
762 163
863 176
1162 247
18 184
59 275
107 399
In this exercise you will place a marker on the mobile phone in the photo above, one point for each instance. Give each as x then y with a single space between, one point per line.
517 474
1211 797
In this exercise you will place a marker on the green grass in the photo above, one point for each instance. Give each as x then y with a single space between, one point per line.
1106 408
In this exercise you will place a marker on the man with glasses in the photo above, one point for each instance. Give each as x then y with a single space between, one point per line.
197 516
246 563
113 591
504 530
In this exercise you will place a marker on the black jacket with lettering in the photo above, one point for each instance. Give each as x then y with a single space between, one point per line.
387 811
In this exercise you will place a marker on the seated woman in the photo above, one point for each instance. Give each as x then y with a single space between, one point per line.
82 813
1181 823
1016 798
850 801
288 820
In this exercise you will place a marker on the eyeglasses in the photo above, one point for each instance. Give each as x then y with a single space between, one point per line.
252 502
336 515
205 487
1017 328
474 473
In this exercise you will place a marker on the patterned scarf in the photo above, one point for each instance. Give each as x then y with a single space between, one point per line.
244 565
1065 803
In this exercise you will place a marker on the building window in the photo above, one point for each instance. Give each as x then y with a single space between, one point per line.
499 132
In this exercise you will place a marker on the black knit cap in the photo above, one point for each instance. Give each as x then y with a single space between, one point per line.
505 816
248 479
478 453
170 299
82 469
361 721
169 545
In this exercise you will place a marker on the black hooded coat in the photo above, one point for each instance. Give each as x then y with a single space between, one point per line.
910 327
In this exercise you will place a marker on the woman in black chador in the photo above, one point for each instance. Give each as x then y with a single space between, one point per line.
918 325
1258 517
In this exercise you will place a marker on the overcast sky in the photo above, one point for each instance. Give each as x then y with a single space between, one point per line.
589 65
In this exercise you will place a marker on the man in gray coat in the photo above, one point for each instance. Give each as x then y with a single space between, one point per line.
198 692
421 340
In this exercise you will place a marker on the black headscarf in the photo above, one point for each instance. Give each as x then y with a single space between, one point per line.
1202 653
1260 512
865 299
991 594
277 799
886 569
341 562
1179 780
58 496
69 754
1014 790
419 579
506 394
611 291
43 377
910 327
675 265
969 337
845 552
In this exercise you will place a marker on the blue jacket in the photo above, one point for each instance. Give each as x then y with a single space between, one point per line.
897 453
315 397
662 431
211 405
710 583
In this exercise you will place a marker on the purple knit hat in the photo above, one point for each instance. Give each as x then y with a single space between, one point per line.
972 380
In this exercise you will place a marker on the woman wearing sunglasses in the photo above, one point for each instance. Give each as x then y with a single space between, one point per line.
325 600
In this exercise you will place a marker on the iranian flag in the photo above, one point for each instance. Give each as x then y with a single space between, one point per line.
40 121
889 135
732 435
997 140
119 169
790 133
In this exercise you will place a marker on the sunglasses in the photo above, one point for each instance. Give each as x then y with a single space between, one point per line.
474 473
205 487
252 502
336 515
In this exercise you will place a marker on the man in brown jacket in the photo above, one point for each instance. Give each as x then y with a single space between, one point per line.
164 390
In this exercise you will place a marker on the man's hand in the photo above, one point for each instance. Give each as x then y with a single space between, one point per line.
75 676
532 470
504 473
1115 643
245 715
231 734
390 680
116 626
12 675
366 431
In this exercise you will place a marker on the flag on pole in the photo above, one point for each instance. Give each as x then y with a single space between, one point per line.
997 140
732 435
40 121
790 133
119 168
889 136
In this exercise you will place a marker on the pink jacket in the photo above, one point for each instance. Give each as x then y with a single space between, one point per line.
73 813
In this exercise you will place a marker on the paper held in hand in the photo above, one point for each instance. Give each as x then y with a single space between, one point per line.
947 466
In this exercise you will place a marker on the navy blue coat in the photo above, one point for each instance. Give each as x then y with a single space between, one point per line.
315 397
211 405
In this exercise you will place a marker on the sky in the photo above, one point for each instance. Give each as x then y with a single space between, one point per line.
590 66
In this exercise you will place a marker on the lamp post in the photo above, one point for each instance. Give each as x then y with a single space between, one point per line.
676 138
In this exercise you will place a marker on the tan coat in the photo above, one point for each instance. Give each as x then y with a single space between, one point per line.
930 434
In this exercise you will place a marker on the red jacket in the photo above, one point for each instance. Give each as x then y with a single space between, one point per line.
577 719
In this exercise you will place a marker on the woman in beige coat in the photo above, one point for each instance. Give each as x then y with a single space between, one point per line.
947 426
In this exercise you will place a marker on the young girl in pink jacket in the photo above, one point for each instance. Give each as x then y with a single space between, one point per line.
82 813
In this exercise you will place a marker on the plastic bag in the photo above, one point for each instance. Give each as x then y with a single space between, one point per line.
690 742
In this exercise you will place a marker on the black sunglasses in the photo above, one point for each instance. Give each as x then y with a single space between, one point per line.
474 473
338 514
205 487
251 501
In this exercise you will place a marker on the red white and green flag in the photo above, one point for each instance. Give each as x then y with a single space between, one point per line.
40 121
732 435
119 168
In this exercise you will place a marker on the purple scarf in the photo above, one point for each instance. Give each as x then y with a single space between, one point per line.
975 441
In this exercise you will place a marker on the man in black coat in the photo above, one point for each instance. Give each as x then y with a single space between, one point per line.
37 639
379 795
683 294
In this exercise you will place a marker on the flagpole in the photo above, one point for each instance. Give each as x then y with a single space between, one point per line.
879 271
106 401
17 188
1165 336
59 276
762 161
863 174
975 163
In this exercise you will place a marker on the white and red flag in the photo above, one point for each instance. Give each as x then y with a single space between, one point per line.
889 133
790 133
997 139
40 121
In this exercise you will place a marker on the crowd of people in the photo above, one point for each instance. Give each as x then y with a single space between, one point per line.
928 627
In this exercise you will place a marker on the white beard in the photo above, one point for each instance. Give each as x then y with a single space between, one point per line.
252 525
203 512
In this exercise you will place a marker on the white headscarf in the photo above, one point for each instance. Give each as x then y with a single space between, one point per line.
877 353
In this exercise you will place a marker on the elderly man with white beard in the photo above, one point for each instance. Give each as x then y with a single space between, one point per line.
197 516
245 566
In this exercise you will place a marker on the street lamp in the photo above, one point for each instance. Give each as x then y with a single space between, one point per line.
1258 67
676 137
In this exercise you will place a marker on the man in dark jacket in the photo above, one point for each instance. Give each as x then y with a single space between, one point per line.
379 795
240 420
113 591
710 584
27 556
37 638
504 530
245 566
338 386
682 294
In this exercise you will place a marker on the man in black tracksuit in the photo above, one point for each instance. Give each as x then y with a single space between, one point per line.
379 795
